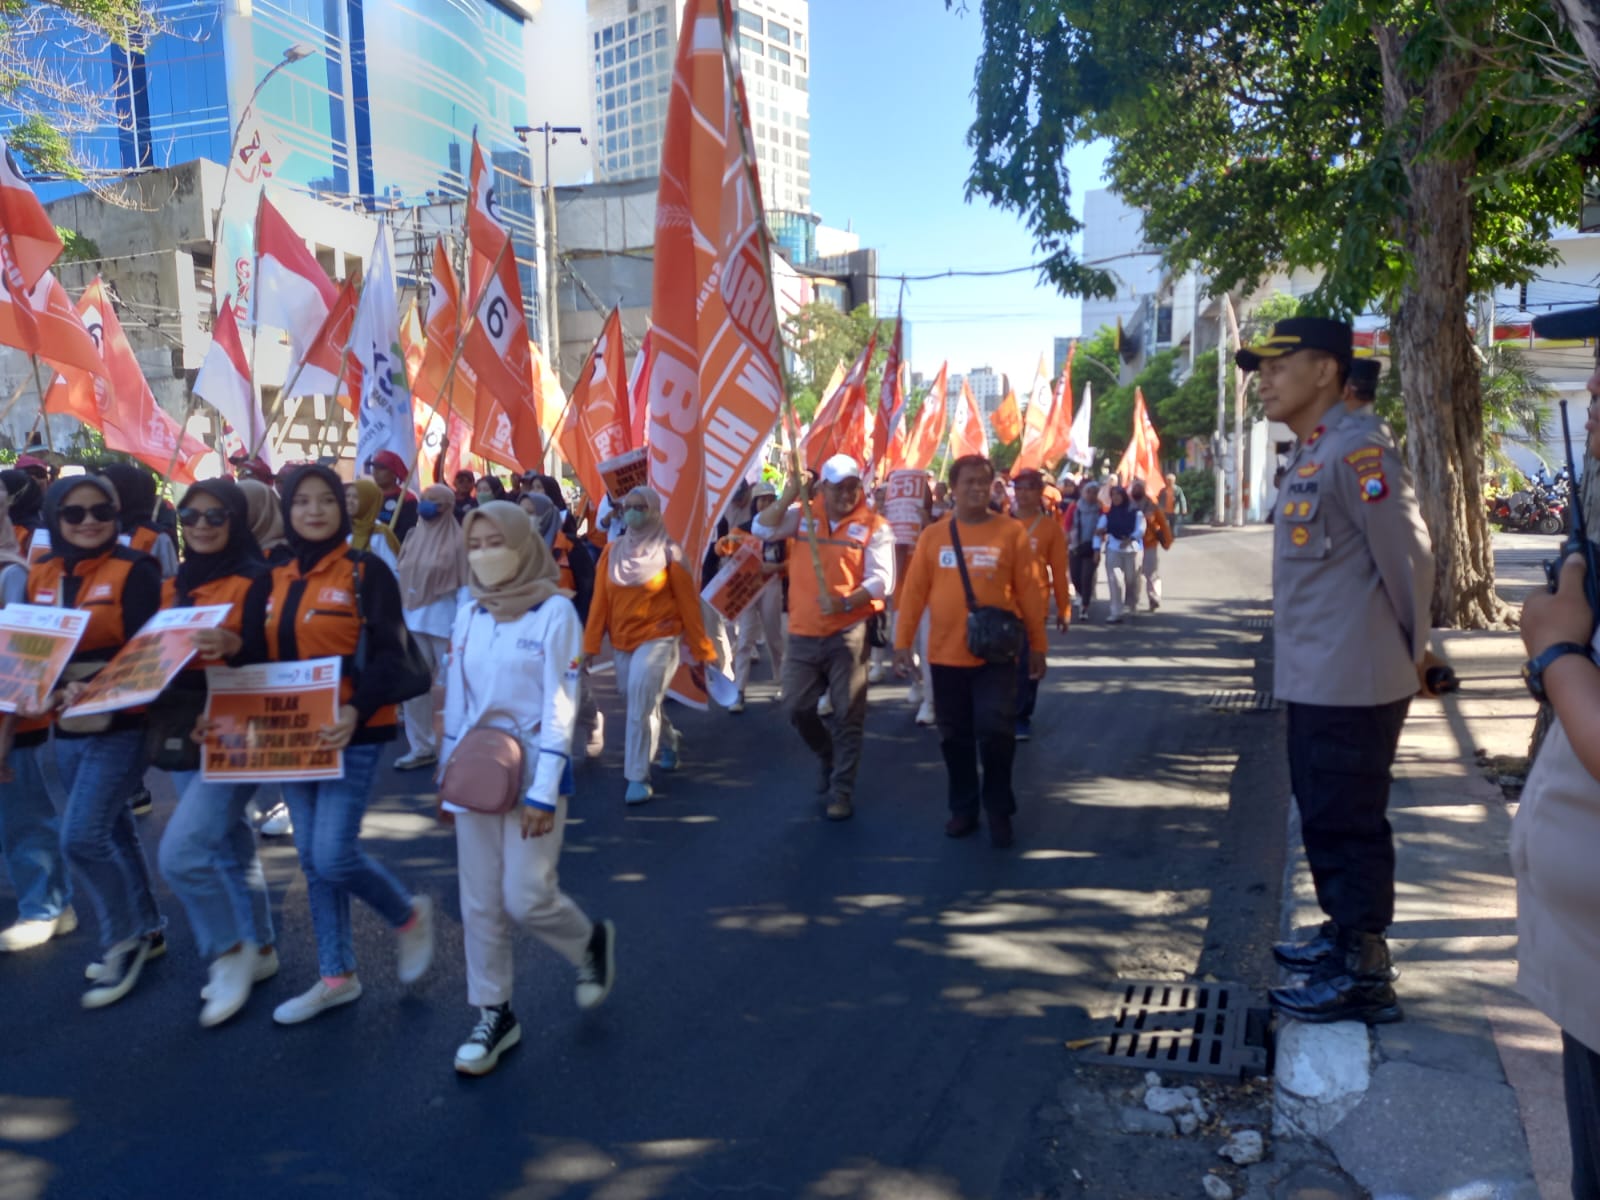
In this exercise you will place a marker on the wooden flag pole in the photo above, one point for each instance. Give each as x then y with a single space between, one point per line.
177 447
16 395
38 382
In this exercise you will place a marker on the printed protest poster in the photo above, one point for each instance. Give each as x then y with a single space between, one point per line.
624 473
265 719
151 659
38 642
738 582
903 505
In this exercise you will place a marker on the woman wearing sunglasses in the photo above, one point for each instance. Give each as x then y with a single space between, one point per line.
316 605
208 853
101 759
646 601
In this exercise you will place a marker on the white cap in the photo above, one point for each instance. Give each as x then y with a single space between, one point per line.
763 489
839 468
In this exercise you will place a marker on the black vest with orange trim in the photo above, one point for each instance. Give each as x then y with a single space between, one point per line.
318 615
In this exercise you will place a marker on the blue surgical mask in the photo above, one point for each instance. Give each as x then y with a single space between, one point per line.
427 509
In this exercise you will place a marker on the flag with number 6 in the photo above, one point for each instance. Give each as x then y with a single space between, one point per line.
506 427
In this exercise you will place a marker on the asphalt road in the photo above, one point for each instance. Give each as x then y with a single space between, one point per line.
804 1009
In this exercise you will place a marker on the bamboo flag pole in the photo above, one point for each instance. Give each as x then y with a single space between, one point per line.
38 382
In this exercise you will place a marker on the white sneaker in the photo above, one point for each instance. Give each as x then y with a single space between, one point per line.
119 971
415 945
876 674
914 691
262 968
825 706
319 999
410 762
925 714
30 935
598 970
276 823
232 977
596 745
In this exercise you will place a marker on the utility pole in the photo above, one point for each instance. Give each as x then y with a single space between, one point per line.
1238 417
1219 442
550 299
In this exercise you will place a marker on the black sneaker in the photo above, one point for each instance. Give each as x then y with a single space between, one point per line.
598 971
140 802
119 971
495 1033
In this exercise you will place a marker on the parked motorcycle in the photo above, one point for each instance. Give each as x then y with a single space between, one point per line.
1538 509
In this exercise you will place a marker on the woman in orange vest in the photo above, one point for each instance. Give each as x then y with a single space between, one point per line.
101 760
316 605
646 600
208 853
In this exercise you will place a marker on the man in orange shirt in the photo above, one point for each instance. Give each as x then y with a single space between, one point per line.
1049 543
974 700
841 570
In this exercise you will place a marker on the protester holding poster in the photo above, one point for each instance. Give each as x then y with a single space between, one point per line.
842 571
646 601
208 854
764 615
317 605
101 759
514 659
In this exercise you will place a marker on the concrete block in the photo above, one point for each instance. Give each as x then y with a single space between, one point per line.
1322 1073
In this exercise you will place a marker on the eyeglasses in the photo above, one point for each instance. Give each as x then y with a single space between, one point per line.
77 514
214 517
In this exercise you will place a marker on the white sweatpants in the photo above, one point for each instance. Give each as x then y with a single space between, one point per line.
418 711
643 674
1124 590
1151 569
763 616
508 881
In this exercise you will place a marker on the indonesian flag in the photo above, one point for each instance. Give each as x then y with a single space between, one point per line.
638 392
966 430
384 418
840 425
1079 449
716 379
595 429
29 242
319 374
1035 425
46 323
1142 458
444 332
1006 420
224 383
891 396
1058 430
925 438
293 293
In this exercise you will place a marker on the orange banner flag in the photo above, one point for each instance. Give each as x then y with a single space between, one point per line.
840 425
1035 423
890 417
43 320
595 428
716 378
926 437
1142 458
966 429
443 331
1006 420
1058 431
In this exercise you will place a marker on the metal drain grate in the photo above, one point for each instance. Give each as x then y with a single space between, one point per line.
1199 1028
1242 702
1258 623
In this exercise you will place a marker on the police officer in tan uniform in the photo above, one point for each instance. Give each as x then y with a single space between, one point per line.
1352 588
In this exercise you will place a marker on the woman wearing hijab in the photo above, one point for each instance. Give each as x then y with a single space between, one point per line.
30 842
364 500
266 520
100 761
1121 529
576 571
26 497
490 488
646 600
136 491
433 570
318 604
512 652
208 853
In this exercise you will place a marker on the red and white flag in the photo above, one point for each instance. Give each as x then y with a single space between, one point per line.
293 293
716 378
318 373
928 433
966 429
224 383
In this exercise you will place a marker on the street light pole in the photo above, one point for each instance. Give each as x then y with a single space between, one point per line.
551 302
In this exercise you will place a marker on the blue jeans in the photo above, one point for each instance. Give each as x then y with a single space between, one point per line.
208 856
30 841
99 773
327 828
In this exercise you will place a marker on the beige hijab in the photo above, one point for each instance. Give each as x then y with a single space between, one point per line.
266 514
433 558
537 577
10 548
639 555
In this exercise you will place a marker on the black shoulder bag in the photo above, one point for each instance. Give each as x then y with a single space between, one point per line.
995 635
411 674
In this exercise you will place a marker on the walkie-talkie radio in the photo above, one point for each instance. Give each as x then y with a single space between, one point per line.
1578 542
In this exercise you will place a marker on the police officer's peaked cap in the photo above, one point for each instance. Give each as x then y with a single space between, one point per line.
1569 324
1299 333
1364 374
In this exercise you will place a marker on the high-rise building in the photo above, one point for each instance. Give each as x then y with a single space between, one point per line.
634 44
1063 348
988 388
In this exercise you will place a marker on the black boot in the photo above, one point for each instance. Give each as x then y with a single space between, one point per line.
1353 985
1308 955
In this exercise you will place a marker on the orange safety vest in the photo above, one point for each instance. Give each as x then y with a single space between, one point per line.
230 590
562 553
318 615
144 538
843 552
101 581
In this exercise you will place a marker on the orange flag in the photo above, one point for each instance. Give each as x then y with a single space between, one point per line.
29 242
716 379
840 425
926 437
595 428
891 396
966 430
1058 431
44 321
1006 420
444 331
1142 458
325 351
1030 457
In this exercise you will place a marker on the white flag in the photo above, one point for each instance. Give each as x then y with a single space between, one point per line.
384 420
1078 448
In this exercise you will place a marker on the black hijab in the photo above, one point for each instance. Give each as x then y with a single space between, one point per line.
240 556
137 489
309 554
26 498
495 486
55 498
1122 519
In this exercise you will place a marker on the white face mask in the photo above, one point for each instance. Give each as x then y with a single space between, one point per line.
493 565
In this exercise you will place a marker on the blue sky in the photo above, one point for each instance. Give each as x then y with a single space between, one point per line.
891 102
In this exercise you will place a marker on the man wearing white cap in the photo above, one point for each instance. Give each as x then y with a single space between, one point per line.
841 571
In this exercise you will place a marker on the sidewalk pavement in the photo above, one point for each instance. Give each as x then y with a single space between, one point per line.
1463 1099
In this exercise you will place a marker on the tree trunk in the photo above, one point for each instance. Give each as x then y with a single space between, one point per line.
1433 343
1582 17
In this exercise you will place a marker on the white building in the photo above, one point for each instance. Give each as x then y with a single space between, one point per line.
633 45
988 388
